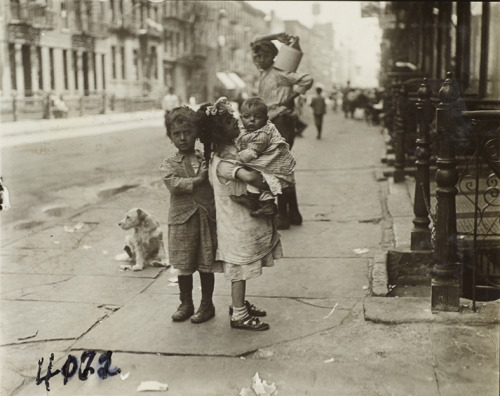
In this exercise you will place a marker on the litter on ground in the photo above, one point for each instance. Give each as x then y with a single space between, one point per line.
146 386
74 228
361 251
333 309
259 388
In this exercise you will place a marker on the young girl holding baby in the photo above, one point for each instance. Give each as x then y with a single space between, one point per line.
245 244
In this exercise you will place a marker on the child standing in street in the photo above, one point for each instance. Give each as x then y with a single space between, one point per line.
262 148
244 244
191 223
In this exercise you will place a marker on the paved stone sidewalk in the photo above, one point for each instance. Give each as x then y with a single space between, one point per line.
63 293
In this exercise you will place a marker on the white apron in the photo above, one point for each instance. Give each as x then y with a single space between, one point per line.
241 239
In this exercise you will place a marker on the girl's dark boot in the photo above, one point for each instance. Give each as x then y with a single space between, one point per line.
186 309
206 310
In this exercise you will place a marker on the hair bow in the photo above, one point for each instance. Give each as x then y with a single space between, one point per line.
220 106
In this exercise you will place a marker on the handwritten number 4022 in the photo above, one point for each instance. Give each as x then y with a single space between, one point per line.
70 367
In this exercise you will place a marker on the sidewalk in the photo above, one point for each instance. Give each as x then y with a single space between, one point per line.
25 127
63 293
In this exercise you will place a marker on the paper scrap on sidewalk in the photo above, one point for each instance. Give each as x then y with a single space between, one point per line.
146 386
259 388
124 376
361 251
76 227
333 309
329 360
87 247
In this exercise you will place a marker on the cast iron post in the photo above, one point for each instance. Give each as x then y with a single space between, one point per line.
400 126
421 234
445 286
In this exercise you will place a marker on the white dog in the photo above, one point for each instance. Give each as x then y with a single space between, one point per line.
145 246
4 197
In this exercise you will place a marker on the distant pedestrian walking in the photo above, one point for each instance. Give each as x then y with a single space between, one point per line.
318 105
169 102
191 219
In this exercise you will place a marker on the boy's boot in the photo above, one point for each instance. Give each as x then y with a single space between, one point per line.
267 208
206 310
294 215
283 220
186 309
250 200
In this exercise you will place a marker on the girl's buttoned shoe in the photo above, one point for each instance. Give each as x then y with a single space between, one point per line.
249 323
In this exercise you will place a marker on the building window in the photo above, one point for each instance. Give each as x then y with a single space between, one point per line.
155 13
75 68
113 62
52 69
154 63
78 15
175 43
136 64
122 50
94 69
64 13
167 43
26 56
12 61
120 9
475 42
88 11
103 66
493 80
39 73
65 68
15 9
85 70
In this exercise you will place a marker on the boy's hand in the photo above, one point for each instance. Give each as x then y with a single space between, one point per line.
203 171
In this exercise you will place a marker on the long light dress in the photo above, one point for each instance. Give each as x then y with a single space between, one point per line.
245 244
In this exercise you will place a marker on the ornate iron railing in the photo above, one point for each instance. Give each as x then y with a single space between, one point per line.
479 183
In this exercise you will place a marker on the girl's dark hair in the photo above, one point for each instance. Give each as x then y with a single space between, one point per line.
210 130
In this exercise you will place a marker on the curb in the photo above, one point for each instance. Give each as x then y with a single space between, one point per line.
399 310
